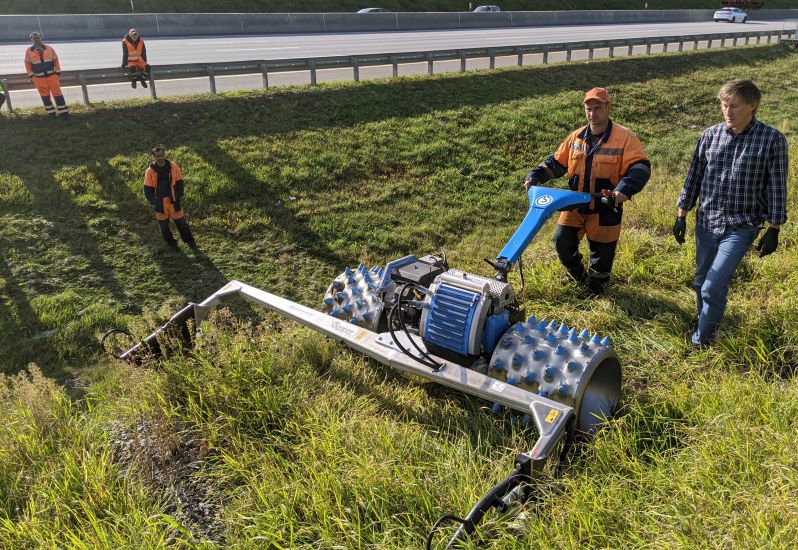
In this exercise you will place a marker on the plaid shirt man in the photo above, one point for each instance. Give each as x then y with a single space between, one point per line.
742 179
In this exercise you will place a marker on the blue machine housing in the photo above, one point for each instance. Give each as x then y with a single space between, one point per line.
465 314
450 318
454 312
495 327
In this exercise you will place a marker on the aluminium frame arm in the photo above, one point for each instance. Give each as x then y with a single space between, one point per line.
551 418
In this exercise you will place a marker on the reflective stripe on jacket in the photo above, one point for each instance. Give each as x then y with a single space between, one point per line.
133 51
616 161
41 63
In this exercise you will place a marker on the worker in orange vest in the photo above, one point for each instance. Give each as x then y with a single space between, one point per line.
42 66
134 58
163 188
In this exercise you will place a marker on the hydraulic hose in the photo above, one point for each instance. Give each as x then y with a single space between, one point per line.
425 359
151 346
108 334
391 313
492 499
503 494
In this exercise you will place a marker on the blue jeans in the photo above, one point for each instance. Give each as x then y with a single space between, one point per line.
717 258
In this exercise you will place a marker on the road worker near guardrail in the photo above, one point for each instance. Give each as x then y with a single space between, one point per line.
163 188
134 58
739 171
600 156
43 67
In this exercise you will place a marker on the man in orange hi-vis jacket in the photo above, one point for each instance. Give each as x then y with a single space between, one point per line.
163 188
600 157
134 58
42 66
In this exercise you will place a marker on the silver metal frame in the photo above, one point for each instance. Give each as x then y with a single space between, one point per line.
551 418
86 78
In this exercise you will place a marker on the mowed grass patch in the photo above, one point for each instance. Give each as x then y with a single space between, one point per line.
267 435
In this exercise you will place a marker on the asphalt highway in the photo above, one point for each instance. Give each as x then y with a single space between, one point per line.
75 55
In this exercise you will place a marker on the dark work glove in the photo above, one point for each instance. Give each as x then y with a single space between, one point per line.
608 198
679 229
769 242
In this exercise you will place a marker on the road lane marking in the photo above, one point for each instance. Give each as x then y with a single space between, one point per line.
260 49
209 41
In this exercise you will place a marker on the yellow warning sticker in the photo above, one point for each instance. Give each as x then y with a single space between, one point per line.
552 416
361 335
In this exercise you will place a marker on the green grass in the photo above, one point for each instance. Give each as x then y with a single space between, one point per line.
43 7
265 436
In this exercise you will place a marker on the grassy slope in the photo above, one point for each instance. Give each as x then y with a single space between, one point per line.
295 6
299 442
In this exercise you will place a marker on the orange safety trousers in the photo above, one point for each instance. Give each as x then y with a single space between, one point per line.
48 85
140 65
168 211
590 225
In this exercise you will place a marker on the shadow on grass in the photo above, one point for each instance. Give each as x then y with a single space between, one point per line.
767 346
648 431
72 228
463 420
340 105
248 186
644 308
180 270
656 429
18 321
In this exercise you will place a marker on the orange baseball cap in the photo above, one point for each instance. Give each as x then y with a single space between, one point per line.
599 94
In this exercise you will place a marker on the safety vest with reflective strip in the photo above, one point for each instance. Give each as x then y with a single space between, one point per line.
597 166
41 63
134 49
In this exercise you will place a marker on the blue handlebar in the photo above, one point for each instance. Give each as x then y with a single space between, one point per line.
543 202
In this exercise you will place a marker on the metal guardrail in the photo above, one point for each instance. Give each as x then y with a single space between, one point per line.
86 78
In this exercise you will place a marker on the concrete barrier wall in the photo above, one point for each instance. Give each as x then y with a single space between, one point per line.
63 27
359 22
255 23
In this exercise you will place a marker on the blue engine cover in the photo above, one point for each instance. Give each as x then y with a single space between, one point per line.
450 319
495 327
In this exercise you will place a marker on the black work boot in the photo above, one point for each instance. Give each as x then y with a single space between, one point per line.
61 106
185 232
166 233
578 276
143 82
597 283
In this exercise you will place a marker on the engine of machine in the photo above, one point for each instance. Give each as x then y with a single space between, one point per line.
458 315
464 317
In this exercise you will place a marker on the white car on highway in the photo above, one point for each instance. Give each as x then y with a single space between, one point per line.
732 15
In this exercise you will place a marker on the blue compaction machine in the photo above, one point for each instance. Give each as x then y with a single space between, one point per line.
466 332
